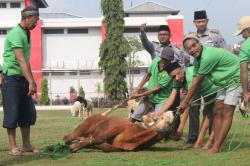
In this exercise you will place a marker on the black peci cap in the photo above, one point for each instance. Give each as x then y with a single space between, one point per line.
171 67
202 14
163 28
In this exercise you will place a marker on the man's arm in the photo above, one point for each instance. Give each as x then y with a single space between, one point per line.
191 92
170 101
244 81
146 93
26 71
145 42
143 82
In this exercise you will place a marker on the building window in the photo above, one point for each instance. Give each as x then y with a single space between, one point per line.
131 30
15 5
135 71
78 30
53 31
57 73
73 73
84 72
3 31
137 29
45 73
3 5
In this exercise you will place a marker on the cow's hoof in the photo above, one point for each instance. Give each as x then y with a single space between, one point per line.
74 147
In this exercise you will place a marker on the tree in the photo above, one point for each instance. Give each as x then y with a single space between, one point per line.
45 95
114 50
81 92
133 61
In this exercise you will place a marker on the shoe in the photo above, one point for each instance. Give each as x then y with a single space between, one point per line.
16 152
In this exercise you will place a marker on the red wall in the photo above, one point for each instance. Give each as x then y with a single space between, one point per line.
177 31
36 53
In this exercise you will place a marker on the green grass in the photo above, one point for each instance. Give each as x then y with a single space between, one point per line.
51 126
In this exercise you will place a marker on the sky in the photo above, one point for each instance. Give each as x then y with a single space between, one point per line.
223 14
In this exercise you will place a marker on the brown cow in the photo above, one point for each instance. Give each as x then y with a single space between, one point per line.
117 134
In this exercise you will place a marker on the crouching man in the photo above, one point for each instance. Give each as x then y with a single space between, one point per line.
161 89
206 89
223 69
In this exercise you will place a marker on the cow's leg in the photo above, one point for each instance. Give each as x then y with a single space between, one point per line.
84 142
108 148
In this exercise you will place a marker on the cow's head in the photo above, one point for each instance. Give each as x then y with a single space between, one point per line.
163 123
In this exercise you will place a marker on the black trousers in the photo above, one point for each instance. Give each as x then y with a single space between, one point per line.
194 117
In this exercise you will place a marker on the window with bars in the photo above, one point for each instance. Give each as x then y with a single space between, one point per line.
3 31
15 5
53 31
78 30
3 5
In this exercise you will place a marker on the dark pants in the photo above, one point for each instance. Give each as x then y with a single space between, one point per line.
194 118
18 106
194 123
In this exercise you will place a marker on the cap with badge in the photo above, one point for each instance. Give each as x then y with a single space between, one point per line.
167 54
201 14
243 23
30 11
191 35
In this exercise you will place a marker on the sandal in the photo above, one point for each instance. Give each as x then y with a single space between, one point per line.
34 150
15 152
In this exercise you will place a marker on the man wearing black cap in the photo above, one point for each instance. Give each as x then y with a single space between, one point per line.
161 89
155 48
19 84
208 37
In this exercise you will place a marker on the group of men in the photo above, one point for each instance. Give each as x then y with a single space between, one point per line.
206 69
214 69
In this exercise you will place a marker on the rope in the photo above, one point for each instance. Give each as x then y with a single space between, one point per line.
57 151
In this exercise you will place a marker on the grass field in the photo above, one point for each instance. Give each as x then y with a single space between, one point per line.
51 126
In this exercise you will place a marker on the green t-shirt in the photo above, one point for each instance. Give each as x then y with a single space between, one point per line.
206 87
220 66
245 51
162 79
16 38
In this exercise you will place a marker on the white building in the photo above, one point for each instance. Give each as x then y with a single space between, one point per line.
65 47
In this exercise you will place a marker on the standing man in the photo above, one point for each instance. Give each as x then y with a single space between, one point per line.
19 86
155 48
222 68
207 37
244 30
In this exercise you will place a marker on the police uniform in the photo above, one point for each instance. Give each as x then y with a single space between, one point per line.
212 38
155 49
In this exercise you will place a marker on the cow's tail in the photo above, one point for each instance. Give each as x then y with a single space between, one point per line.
109 111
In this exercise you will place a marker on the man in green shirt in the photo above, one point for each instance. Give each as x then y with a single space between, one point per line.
19 85
206 89
222 68
160 89
244 30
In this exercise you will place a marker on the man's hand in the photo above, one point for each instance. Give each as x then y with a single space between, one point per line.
183 106
32 88
247 98
1 80
135 96
143 27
